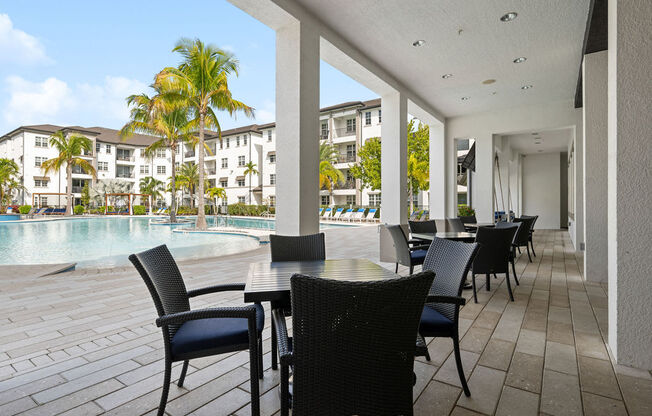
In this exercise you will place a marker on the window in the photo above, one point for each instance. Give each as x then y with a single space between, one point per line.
160 153
177 150
269 135
227 142
142 152
221 144
224 183
380 116
160 170
38 160
463 144
350 125
225 201
244 139
272 158
374 200
367 118
237 141
325 199
272 201
97 148
324 131
108 149
103 166
144 169
350 153
241 182
350 200
44 201
41 141
241 200
272 179
225 163
40 183
241 161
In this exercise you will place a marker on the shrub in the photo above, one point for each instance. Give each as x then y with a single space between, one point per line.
24 209
247 210
139 210
465 211
78 209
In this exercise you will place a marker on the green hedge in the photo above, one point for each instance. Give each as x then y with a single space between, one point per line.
139 210
248 210
24 209
78 209
465 211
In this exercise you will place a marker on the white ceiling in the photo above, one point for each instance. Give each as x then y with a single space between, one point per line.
549 33
551 141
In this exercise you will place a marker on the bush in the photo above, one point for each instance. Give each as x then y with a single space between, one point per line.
139 210
24 209
247 210
184 210
78 209
465 211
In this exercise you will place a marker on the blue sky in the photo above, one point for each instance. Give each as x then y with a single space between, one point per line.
73 62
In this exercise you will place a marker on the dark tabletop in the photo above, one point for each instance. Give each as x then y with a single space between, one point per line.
479 224
269 282
447 235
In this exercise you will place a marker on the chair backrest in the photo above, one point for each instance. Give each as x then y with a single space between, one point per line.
338 213
348 213
451 261
371 213
354 343
455 225
297 248
163 279
327 212
495 248
400 244
523 234
423 226
534 220
468 219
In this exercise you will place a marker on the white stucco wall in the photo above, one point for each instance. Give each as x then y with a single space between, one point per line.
541 188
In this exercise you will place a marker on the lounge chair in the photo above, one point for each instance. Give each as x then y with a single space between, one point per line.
58 211
358 215
40 211
327 213
338 213
415 215
321 210
425 215
371 215
347 215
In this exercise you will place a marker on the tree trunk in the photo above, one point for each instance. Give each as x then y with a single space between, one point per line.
69 189
201 215
411 199
173 182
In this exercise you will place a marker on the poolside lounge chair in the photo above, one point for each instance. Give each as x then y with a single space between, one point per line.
40 211
358 215
327 213
338 213
321 210
371 215
425 215
415 215
58 211
347 215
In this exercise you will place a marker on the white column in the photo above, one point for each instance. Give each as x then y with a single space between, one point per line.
437 197
393 170
297 129
594 79
630 182
483 201
579 183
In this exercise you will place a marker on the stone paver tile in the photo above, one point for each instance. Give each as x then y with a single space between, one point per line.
486 385
475 339
525 372
637 393
447 373
31 376
460 411
487 319
86 409
531 342
515 402
597 376
559 315
497 354
560 394
590 345
23 365
595 405
424 373
76 399
17 406
561 358
225 404
437 399
269 405
439 349
562 333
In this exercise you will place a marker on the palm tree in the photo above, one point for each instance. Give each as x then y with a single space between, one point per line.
189 179
9 180
250 169
69 148
216 193
328 174
171 124
418 177
153 187
200 84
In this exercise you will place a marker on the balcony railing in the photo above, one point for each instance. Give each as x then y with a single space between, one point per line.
344 132
210 171
345 185
345 158
190 154
126 175
125 158
77 189
323 135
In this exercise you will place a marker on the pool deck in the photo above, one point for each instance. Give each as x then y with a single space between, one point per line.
85 343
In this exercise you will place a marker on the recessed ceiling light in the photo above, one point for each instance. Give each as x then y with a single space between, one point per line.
488 81
520 60
465 98
526 87
540 151
494 93
535 134
446 76
508 17
418 43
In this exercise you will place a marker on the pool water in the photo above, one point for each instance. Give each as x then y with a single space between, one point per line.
258 223
106 242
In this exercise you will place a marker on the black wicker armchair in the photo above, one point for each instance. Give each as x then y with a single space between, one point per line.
455 225
421 227
406 255
494 254
451 261
534 220
512 256
189 334
523 238
353 345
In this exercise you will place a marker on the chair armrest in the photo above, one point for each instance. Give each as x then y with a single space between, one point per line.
217 288
422 247
248 312
456 300
283 340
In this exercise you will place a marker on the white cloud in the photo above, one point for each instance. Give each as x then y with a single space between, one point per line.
267 113
19 47
54 101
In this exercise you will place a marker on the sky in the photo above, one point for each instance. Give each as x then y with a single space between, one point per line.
74 62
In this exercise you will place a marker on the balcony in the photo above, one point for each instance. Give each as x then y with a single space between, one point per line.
77 189
124 175
125 158
190 153
343 134
211 171
345 185
323 135
346 158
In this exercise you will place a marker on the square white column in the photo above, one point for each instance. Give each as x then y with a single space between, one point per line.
483 181
393 170
297 130
630 182
437 197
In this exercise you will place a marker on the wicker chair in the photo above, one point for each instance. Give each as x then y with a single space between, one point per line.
534 220
455 225
406 255
189 334
425 227
353 345
523 238
451 262
494 254
468 219
512 255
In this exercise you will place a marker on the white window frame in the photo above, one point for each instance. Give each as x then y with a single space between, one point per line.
160 170
225 163
367 118
272 179
242 161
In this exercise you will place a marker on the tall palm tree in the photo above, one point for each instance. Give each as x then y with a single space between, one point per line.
418 177
69 147
250 169
200 83
215 194
9 180
328 174
189 174
171 124
153 187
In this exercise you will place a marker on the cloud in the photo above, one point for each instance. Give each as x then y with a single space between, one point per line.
267 113
53 101
19 47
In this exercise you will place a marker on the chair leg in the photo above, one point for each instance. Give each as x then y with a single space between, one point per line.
488 287
427 356
260 356
274 347
509 285
528 253
253 375
411 269
532 244
475 295
519 250
514 270
166 387
460 370
182 377
495 277
285 390
396 271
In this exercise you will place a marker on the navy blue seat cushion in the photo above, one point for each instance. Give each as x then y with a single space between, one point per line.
433 322
208 334
418 255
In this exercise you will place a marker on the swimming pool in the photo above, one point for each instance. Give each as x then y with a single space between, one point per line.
106 242
259 223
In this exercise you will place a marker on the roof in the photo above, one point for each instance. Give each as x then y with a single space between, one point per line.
266 126
113 136
254 128
371 103
343 105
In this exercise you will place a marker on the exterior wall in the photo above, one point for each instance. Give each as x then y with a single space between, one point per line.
541 188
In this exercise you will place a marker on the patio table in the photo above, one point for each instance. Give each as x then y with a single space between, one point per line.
447 235
478 224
